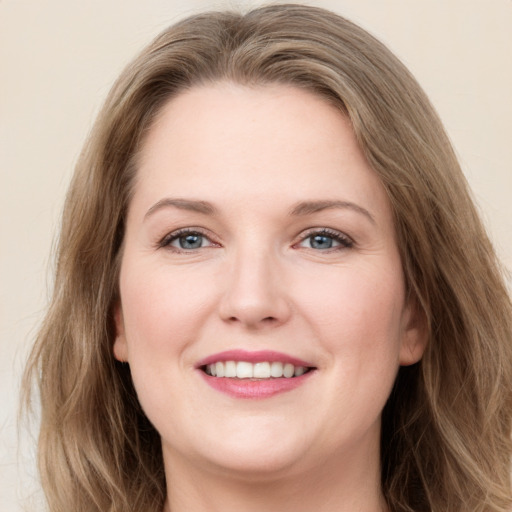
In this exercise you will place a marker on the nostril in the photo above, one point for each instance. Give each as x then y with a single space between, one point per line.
267 319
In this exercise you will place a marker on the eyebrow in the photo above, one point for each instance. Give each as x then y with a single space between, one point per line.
183 204
300 209
309 207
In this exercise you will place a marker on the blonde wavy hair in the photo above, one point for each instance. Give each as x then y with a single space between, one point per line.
446 429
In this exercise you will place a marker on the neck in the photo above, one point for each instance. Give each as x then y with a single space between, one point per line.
325 488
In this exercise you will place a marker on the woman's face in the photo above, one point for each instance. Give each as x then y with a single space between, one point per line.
259 242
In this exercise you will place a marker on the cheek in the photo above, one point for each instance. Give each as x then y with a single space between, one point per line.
161 308
357 314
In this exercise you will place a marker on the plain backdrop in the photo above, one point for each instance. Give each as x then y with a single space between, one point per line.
58 59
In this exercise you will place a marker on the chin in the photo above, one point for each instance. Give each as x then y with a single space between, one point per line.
256 452
253 464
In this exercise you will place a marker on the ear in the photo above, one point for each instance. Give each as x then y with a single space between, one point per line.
414 334
120 347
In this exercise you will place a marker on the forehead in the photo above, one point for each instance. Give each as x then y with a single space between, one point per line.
277 142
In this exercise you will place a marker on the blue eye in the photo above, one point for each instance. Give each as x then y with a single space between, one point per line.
321 242
185 240
324 240
188 241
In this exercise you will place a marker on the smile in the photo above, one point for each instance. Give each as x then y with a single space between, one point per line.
260 374
261 370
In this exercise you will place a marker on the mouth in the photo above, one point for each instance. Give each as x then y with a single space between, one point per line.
260 370
261 374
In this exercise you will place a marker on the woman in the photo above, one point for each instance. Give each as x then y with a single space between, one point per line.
273 289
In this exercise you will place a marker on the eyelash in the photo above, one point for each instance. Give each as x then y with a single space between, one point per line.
167 240
343 240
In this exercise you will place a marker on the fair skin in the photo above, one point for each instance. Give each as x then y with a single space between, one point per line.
256 225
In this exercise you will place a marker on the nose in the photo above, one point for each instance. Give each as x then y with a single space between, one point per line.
255 295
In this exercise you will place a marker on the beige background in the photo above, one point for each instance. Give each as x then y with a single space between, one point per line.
57 61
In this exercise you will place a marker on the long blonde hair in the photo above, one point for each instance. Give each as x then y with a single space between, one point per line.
446 428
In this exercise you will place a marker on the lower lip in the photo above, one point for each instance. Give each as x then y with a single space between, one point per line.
255 388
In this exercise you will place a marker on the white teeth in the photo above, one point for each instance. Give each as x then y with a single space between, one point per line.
299 370
288 370
219 369
276 369
230 369
244 370
262 370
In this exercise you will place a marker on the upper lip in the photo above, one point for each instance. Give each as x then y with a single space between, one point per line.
258 356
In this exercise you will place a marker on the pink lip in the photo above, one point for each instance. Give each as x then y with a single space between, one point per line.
252 357
249 388
253 388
